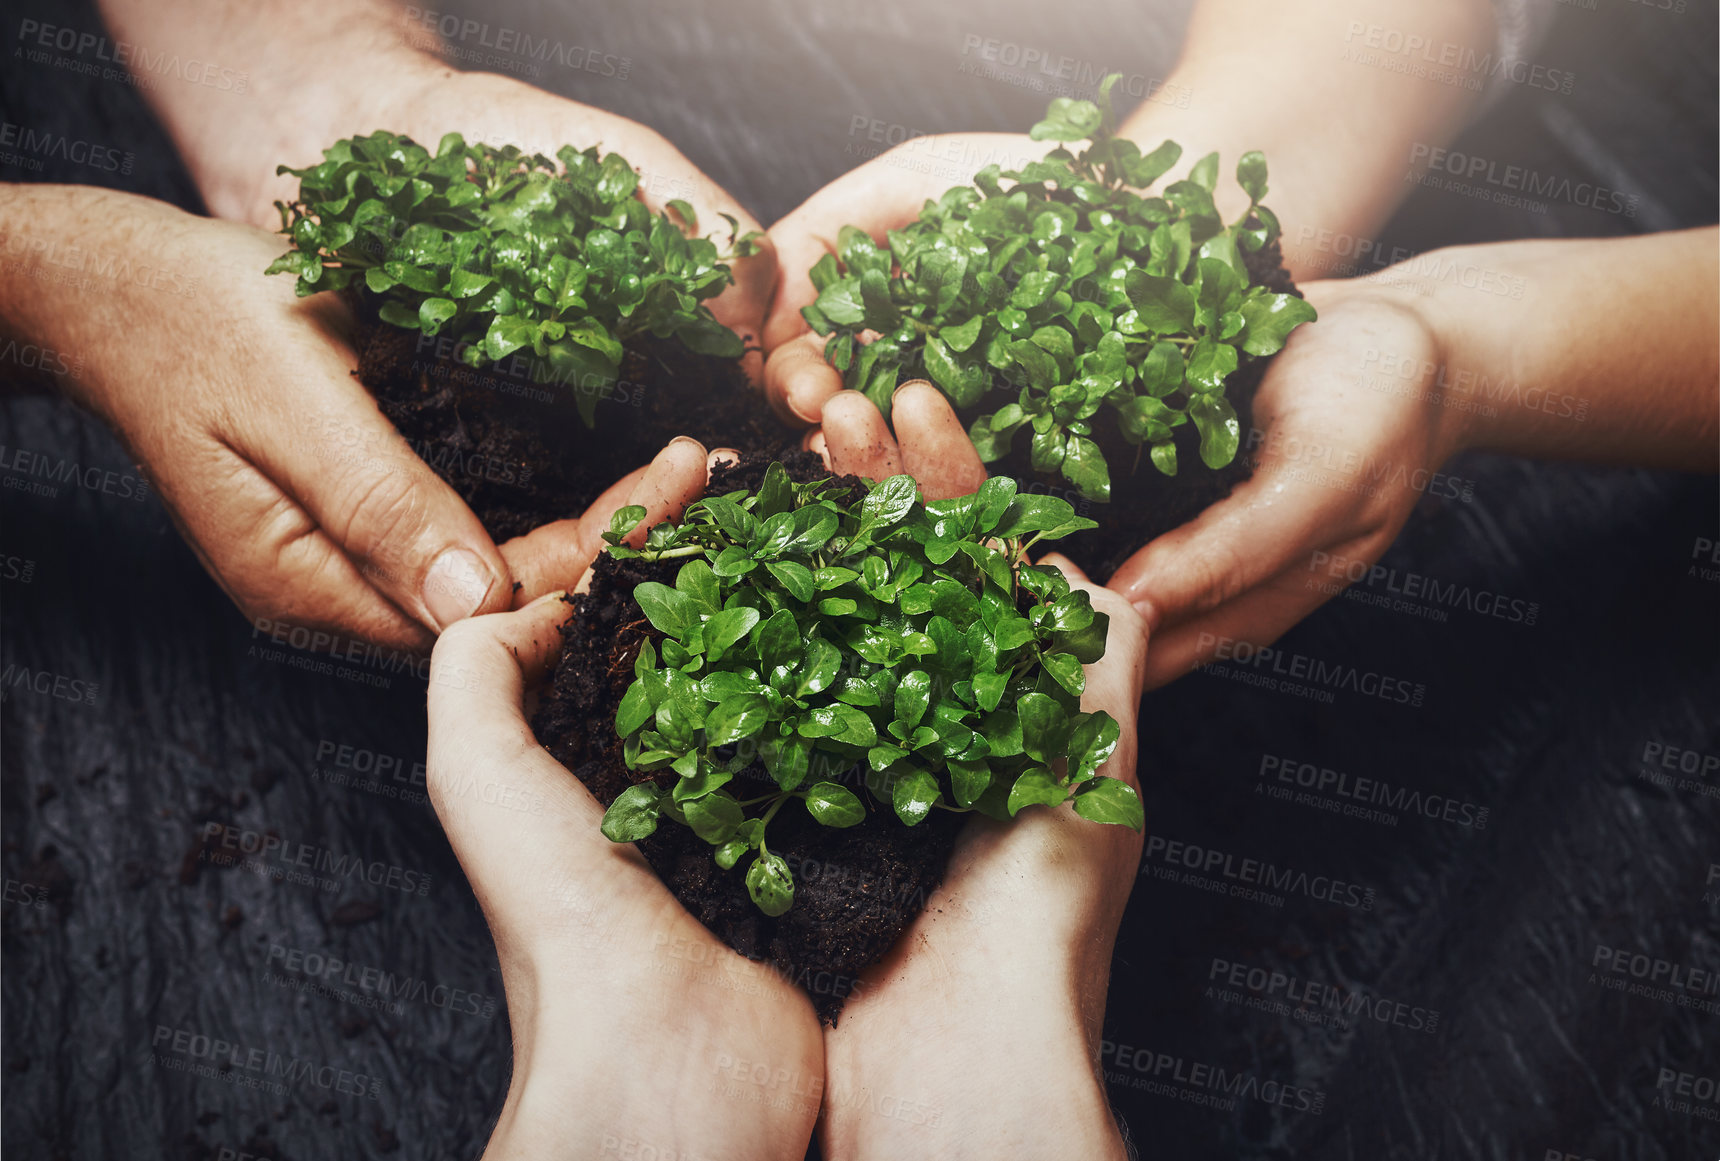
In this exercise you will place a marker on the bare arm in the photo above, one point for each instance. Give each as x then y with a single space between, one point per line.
1621 332
1337 131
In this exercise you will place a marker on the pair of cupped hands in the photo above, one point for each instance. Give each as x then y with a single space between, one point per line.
637 1033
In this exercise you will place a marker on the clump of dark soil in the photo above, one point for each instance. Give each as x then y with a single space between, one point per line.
855 888
517 451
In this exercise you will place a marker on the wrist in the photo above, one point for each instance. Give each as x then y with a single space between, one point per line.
1414 290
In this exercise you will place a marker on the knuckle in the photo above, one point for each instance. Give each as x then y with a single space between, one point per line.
386 508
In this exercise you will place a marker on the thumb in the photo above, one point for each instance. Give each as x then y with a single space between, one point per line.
405 530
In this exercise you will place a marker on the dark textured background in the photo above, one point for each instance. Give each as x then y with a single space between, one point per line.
112 926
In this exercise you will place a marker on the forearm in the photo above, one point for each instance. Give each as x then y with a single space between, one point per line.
295 76
1338 134
1610 354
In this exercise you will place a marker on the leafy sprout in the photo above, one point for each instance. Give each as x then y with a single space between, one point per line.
504 252
875 654
1057 292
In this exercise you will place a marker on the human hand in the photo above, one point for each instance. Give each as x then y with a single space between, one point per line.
1339 465
635 1031
881 195
297 494
978 1034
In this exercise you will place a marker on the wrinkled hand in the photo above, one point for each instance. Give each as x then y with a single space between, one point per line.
295 491
978 1035
636 1032
1350 434
884 194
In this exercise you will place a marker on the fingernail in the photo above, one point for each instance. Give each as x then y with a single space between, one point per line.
456 586
798 407
1148 613
901 387
722 457
687 439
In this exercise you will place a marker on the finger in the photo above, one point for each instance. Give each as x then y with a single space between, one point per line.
270 557
858 440
1259 616
328 447
798 380
721 457
814 442
935 448
556 556
1270 521
505 803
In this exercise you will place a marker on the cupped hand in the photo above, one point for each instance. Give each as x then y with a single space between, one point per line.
977 1036
884 194
1352 428
294 490
636 1032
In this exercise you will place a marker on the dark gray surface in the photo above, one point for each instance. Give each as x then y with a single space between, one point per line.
1495 928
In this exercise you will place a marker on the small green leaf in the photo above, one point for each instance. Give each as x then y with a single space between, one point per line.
771 884
914 795
834 805
737 717
1035 787
633 814
669 610
1110 800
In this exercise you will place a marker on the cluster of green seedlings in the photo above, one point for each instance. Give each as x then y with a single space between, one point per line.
904 647
1058 291
505 252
